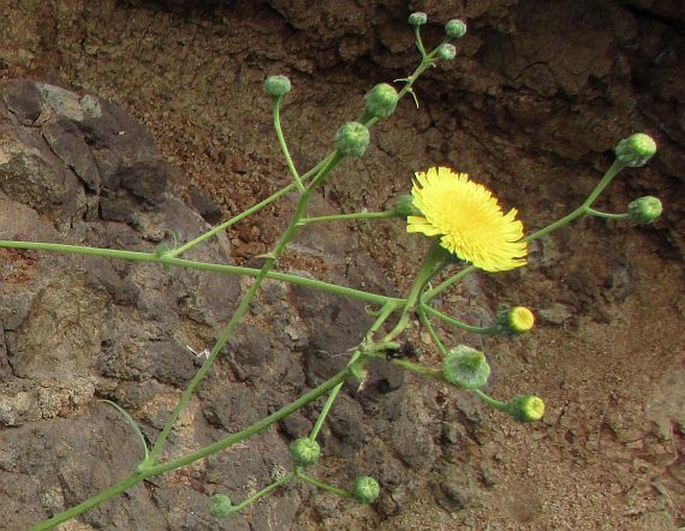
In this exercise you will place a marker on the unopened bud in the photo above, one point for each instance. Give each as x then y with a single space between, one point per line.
446 52
455 28
380 101
516 320
220 506
304 451
465 368
644 210
352 139
525 408
277 86
635 150
365 489
418 18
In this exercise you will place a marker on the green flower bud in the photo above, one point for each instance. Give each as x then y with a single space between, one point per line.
635 150
644 210
446 52
352 139
525 408
465 368
365 489
455 28
220 506
277 86
380 101
516 320
418 18
304 451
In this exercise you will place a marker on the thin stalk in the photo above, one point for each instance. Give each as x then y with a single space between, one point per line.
496 404
233 322
155 470
321 485
276 105
616 167
137 256
263 492
346 217
482 330
251 210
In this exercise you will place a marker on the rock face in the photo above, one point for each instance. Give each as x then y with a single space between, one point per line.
77 169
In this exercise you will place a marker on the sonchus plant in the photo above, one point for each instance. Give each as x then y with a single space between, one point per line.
470 231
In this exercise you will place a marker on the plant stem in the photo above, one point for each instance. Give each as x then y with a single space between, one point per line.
276 107
321 485
222 444
137 256
345 217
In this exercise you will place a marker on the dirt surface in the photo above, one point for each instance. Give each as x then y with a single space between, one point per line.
537 98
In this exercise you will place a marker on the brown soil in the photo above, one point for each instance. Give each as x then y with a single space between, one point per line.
537 97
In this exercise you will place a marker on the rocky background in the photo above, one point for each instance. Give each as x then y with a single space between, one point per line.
125 124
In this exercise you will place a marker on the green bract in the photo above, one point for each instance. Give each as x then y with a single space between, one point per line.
304 451
365 489
644 210
465 367
381 100
277 86
635 150
352 139
404 206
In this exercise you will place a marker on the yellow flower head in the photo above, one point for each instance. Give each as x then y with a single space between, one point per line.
469 220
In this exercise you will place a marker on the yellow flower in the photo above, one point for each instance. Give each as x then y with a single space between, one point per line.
469 220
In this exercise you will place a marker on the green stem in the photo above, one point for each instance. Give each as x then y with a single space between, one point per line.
616 167
418 369
276 105
222 444
428 270
254 208
345 217
167 260
237 316
321 485
482 330
431 330
607 215
266 490
496 404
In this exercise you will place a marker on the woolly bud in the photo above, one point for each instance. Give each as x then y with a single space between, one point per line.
418 18
446 52
352 139
644 210
455 28
516 320
525 408
277 86
304 451
365 489
220 506
635 150
380 101
465 368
